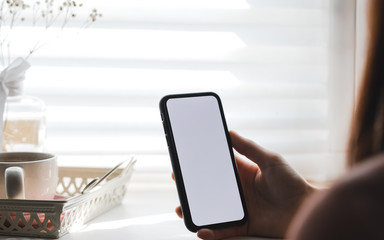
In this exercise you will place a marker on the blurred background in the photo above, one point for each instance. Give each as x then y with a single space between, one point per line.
286 71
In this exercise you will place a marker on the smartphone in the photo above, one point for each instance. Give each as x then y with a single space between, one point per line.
202 160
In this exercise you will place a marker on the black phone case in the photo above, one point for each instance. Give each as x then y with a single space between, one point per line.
176 166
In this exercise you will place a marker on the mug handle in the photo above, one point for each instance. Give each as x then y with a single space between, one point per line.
14 183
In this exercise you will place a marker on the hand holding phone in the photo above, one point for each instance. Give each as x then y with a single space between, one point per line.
202 160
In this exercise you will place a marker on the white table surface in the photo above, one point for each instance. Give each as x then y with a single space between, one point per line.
144 214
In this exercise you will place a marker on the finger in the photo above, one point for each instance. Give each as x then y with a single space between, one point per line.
252 151
244 165
179 212
173 176
205 234
208 234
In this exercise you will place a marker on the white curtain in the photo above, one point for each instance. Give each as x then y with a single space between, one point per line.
271 61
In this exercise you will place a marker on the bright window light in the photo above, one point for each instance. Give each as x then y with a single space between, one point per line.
199 4
130 43
120 80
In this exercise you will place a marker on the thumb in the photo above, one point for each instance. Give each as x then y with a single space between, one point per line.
253 152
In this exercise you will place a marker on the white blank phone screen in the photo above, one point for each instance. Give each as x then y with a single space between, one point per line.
205 160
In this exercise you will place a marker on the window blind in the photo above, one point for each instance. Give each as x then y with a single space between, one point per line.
268 60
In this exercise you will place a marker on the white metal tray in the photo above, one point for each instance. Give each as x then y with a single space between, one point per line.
55 218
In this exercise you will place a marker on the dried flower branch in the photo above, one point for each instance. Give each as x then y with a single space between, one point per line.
44 13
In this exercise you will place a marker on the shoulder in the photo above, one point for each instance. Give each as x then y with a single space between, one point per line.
363 180
352 209
365 171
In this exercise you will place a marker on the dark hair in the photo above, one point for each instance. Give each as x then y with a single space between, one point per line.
367 128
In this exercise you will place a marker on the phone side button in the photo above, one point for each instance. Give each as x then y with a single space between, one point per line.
166 137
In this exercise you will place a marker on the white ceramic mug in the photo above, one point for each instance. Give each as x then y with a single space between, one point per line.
28 175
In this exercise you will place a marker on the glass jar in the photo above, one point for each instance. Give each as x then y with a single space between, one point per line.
24 124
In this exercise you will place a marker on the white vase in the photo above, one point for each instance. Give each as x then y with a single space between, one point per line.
24 124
